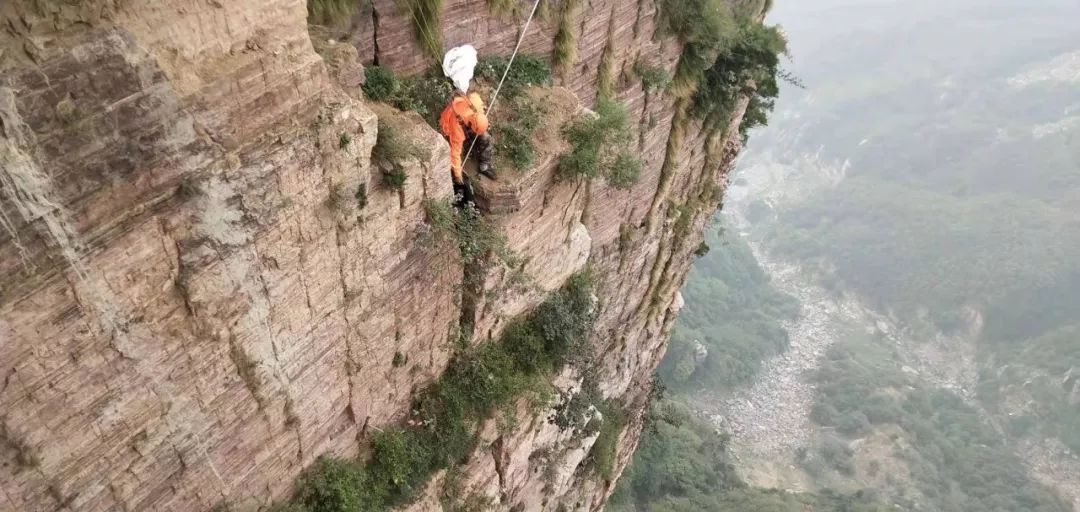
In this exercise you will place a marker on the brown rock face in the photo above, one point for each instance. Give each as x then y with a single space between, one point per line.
205 284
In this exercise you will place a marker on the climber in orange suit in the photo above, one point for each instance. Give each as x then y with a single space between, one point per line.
465 125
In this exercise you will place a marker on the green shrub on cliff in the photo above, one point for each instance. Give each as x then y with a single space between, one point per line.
653 78
380 83
441 431
518 116
425 94
749 65
703 27
726 53
599 147
527 71
391 149
602 456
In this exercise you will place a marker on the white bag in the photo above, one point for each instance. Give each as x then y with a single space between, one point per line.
459 66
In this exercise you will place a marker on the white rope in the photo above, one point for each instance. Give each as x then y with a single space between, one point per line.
506 72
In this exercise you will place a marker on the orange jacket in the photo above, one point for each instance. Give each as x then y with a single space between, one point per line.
463 111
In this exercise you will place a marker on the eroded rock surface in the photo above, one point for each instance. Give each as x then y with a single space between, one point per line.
194 301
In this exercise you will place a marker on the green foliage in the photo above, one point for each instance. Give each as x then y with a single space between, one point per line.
957 460
400 462
749 65
335 485
1042 371
683 465
425 20
734 312
703 27
344 140
653 78
391 149
329 12
442 431
702 250
600 147
481 244
399 360
527 71
518 117
602 456
380 83
725 55
625 172
565 52
395 178
426 94
605 75
361 196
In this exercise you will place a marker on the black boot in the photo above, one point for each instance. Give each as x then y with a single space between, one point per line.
485 169
485 145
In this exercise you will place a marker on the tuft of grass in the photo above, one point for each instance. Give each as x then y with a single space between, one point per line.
66 111
565 52
330 12
653 78
399 360
506 8
625 172
527 71
391 149
425 94
333 484
188 189
344 140
601 458
425 16
515 122
514 132
380 83
480 242
395 179
599 147
361 196
605 77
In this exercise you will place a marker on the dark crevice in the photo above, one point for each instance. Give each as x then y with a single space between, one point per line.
375 34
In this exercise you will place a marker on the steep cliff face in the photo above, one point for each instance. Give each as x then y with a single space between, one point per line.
194 301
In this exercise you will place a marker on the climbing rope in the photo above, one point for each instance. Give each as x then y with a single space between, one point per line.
506 72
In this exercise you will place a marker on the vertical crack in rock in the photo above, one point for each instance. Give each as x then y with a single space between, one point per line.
350 370
374 33
496 450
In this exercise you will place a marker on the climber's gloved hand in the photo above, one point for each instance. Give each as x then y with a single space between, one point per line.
463 193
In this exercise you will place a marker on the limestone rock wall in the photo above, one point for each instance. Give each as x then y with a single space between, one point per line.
193 305
195 302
